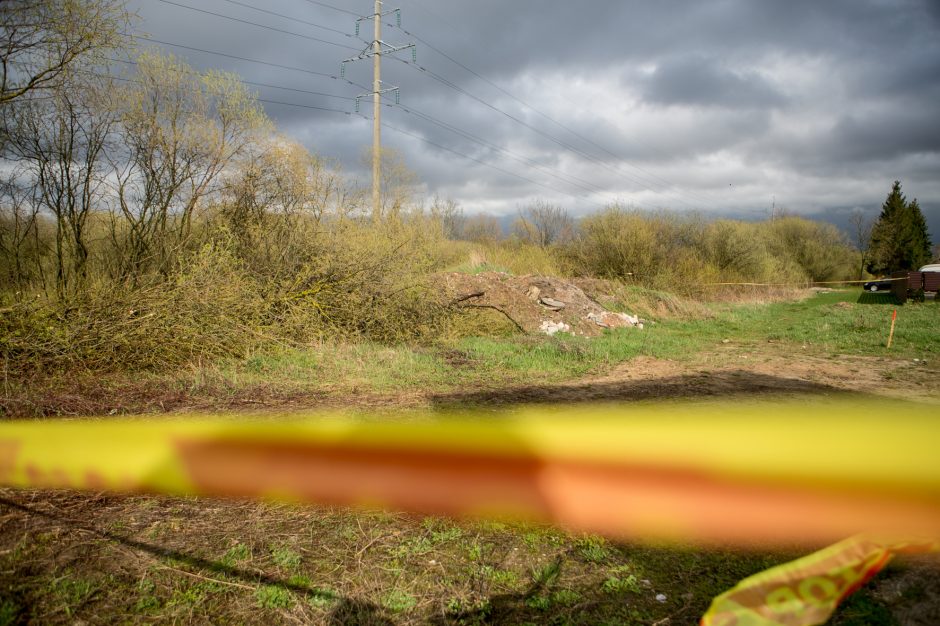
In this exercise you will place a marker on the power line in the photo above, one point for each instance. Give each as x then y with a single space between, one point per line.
583 185
466 156
330 6
267 85
304 106
293 19
580 183
266 101
571 180
271 28
544 115
239 58
432 74
441 79
539 132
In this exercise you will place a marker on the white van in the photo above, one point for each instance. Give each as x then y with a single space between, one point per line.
933 267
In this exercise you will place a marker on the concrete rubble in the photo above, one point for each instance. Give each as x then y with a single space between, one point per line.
536 304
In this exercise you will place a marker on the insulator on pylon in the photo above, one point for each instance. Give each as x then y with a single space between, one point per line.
398 17
397 97
414 54
342 70
357 29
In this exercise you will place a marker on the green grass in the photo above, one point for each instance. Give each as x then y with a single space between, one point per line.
8 612
73 592
273 597
285 558
399 601
621 580
367 365
593 549
850 322
478 268
236 554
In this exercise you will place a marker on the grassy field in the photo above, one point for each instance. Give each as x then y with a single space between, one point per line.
837 322
825 325
69 558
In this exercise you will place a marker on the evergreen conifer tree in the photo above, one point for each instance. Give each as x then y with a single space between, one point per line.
899 240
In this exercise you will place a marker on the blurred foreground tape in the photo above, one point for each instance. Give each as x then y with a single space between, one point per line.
741 473
805 592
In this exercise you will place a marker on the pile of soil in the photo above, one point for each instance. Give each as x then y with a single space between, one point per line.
535 303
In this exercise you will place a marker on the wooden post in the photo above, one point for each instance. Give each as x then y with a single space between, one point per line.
894 316
377 117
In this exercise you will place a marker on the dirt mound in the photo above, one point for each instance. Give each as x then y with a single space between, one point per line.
535 303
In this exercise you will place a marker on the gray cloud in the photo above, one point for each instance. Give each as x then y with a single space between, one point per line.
720 106
696 81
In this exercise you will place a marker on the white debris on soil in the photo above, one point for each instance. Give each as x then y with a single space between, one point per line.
550 328
660 597
609 319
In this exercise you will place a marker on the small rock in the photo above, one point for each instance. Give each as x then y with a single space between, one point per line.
725 341
550 328
660 597
917 360
552 303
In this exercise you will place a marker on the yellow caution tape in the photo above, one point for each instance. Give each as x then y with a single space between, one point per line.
806 591
804 283
747 473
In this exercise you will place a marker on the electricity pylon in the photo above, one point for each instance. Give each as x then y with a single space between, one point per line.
375 50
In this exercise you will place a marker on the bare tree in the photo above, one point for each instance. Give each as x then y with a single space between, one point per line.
275 201
59 144
41 39
20 247
450 215
482 228
181 130
544 224
398 184
861 235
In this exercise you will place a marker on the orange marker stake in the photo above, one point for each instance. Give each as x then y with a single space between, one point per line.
894 316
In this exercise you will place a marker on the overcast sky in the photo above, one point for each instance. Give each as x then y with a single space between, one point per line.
722 107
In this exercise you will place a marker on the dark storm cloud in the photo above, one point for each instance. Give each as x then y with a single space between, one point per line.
820 103
695 81
884 136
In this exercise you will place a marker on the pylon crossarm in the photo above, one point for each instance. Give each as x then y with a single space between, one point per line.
366 53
